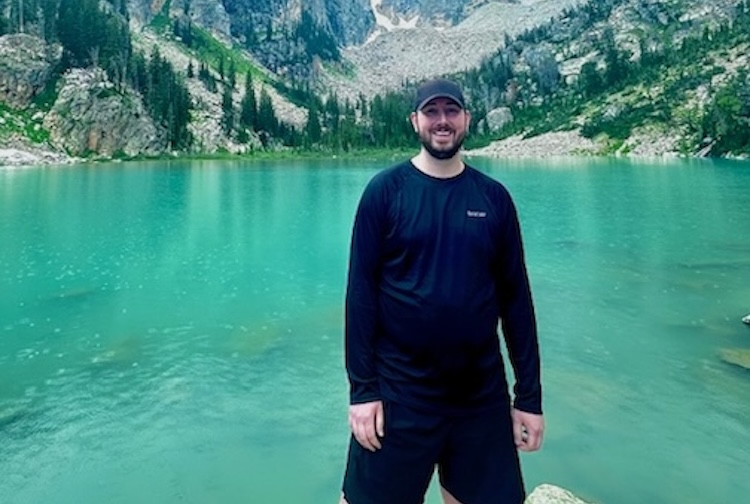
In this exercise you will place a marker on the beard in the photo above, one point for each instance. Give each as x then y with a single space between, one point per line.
442 153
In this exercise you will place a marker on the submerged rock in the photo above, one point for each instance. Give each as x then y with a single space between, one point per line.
736 356
551 494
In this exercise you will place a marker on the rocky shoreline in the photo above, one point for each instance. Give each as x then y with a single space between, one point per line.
17 152
571 143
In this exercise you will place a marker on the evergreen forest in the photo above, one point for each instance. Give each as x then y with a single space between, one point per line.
94 33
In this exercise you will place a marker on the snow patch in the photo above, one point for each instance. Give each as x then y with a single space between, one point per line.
386 24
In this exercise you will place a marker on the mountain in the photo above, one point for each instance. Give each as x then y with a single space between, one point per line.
330 74
381 42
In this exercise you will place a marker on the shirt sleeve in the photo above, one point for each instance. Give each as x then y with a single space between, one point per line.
361 319
517 316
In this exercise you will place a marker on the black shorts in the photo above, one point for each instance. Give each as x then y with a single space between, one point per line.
475 455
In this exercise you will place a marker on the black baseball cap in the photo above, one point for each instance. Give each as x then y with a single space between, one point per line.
438 88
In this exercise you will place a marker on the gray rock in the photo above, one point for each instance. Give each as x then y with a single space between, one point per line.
497 118
551 494
207 13
91 115
352 22
26 64
17 151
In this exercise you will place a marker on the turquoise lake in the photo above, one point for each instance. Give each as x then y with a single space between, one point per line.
171 332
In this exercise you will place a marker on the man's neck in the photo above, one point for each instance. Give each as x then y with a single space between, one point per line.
438 168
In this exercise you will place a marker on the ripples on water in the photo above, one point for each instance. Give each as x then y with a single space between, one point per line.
173 333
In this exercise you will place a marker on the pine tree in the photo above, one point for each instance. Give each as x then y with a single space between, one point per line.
267 120
4 25
232 74
312 128
248 106
227 111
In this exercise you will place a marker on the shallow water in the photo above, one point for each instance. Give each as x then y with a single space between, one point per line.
171 332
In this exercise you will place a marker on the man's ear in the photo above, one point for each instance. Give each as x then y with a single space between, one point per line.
414 123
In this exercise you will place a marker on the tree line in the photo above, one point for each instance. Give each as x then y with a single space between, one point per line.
541 100
97 34
94 33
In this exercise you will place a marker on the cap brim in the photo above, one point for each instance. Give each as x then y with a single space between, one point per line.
439 95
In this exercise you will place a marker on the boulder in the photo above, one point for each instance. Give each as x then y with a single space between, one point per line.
26 64
92 116
551 494
497 118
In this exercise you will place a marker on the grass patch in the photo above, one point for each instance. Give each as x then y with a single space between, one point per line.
26 123
45 99
161 21
211 51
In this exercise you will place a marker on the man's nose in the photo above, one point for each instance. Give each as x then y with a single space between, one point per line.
442 116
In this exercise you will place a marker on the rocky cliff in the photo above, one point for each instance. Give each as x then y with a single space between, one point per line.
26 65
410 50
92 116
383 43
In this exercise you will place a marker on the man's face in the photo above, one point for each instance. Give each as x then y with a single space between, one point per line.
441 125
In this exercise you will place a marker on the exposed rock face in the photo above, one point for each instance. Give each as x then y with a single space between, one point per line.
385 61
26 64
430 12
210 14
208 135
550 494
90 115
350 21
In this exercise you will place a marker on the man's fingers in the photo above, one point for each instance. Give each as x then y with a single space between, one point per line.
534 441
367 423
518 433
367 437
531 444
373 438
380 421
528 429
361 436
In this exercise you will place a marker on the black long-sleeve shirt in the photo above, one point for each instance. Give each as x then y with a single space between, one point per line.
434 264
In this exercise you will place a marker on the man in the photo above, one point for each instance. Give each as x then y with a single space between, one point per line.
436 261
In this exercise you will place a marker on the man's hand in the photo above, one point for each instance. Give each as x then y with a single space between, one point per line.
367 423
528 430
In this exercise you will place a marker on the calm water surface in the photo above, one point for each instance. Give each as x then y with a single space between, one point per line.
172 332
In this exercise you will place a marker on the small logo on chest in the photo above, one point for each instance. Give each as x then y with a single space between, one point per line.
476 214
